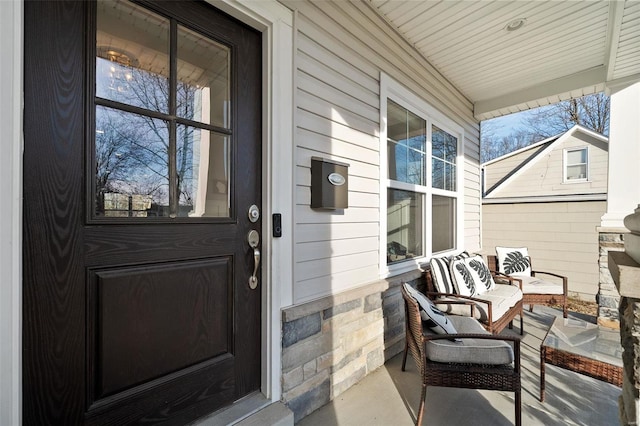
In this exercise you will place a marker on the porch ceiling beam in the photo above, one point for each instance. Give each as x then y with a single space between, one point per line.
586 82
614 24
623 82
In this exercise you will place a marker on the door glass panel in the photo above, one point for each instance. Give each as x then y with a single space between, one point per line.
162 131
203 173
132 56
132 165
203 79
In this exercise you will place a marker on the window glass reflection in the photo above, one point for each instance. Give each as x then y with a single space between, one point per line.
158 149
406 145
577 164
444 152
203 173
443 224
203 79
132 165
404 225
132 56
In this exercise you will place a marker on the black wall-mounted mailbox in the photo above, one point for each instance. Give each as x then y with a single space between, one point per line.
329 184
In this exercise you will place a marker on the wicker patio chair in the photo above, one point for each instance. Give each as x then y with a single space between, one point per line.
484 307
439 358
534 290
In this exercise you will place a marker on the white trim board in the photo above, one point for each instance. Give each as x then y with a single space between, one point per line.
546 199
11 84
276 23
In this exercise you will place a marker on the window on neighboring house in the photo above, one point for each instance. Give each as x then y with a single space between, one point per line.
420 176
576 164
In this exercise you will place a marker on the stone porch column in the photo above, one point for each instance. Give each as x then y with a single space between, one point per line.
625 269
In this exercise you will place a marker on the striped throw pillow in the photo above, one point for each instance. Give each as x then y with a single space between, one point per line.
440 272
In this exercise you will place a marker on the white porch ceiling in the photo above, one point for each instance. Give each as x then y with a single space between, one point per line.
565 48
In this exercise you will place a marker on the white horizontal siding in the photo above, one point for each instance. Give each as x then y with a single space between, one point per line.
341 49
318 250
497 170
337 232
333 283
561 238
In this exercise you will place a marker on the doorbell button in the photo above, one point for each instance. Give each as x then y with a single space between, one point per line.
277 225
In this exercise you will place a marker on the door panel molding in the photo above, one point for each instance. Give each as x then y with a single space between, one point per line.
140 320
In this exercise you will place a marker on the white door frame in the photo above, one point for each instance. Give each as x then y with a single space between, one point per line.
11 83
276 23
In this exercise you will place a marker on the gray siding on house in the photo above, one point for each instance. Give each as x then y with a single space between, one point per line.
544 176
341 48
561 238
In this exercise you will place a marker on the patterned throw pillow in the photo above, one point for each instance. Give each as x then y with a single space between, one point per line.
514 261
440 272
432 317
462 278
481 275
471 276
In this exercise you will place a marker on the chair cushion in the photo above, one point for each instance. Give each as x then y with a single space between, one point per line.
456 309
503 297
514 261
432 317
470 351
534 285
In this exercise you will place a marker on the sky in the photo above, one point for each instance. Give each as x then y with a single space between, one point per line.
503 126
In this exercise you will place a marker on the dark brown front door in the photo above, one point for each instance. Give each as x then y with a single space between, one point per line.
142 157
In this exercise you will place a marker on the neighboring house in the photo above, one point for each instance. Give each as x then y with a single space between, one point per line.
550 197
161 258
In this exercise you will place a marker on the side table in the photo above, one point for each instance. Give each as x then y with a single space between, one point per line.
582 347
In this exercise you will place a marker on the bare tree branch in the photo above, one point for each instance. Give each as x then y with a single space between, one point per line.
591 112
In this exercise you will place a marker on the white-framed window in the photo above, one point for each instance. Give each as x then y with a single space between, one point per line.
421 180
576 165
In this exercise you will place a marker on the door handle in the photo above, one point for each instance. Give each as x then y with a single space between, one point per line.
253 238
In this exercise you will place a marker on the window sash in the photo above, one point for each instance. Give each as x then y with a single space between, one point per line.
405 225
451 191
576 164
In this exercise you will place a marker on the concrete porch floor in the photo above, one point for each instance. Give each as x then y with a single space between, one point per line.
389 396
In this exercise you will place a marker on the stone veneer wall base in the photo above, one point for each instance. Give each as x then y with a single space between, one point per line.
330 344
608 297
